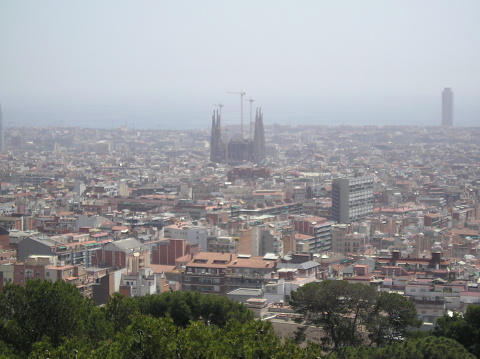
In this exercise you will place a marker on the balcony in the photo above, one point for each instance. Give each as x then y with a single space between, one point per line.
202 281
204 274
246 275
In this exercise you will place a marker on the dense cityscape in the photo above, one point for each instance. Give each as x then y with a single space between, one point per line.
239 180
253 217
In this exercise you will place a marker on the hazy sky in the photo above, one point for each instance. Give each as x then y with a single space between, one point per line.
164 64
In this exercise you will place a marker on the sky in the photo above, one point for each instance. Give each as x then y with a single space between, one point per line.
167 64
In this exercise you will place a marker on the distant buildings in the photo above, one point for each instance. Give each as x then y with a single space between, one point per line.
352 198
447 107
153 214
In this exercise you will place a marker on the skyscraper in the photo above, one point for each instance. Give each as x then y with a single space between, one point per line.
447 107
2 136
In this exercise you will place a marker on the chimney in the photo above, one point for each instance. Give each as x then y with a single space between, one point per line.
436 257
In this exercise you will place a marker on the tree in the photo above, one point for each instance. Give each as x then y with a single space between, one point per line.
41 309
424 348
349 312
97 327
149 337
339 307
465 329
395 316
120 311
184 307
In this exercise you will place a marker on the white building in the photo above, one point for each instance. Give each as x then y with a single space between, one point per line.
193 234
352 198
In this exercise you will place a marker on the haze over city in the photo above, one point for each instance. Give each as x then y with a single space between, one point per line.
151 64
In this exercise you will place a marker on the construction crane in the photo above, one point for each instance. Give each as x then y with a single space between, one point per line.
220 105
241 93
251 119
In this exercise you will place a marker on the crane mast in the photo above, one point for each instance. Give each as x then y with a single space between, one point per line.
241 93
251 118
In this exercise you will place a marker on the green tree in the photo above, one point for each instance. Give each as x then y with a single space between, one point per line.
424 348
97 327
153 338
120 311
465 329
394 316
184 307
340 308
41 309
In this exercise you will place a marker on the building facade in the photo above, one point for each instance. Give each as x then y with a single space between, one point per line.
319 232
352 198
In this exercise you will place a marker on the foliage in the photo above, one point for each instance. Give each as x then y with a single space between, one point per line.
348 312
120 311
41 309
184 307
149 337
339 307
395 316
465 329
424 348
7 351
52 320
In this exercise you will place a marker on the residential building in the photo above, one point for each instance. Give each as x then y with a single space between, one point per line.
434 297
193 234
320 230
352 198
220 273
166 251
124 253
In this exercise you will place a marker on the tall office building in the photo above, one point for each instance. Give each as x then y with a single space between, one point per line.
447 107
352 198
2 136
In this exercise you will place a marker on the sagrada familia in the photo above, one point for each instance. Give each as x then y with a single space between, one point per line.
237 150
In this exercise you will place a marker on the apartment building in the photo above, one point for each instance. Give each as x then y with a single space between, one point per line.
320 230
352 198
220 273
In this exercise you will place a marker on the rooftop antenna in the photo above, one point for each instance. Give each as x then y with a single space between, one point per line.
241 93
251 120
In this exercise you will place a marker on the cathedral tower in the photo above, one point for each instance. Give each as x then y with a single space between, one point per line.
259 138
